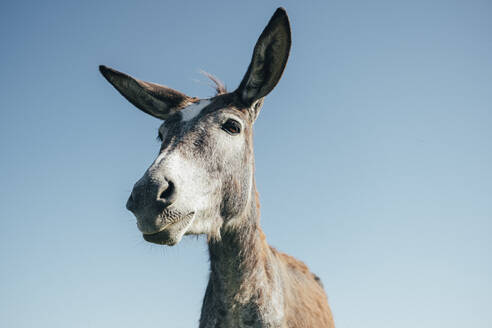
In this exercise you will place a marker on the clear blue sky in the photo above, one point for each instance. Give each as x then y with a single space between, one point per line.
374 157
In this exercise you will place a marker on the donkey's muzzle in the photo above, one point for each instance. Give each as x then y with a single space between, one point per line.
149 197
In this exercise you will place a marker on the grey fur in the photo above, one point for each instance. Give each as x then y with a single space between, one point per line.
202 182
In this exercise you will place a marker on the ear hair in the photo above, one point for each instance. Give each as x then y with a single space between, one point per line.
256 107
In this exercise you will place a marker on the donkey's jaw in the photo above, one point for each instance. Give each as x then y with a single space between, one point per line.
171 233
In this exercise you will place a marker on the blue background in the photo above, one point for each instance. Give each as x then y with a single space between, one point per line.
374 157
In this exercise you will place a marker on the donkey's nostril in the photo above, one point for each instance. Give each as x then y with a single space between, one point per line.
168 193
130 204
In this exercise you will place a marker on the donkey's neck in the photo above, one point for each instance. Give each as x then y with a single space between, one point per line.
244 286
241 252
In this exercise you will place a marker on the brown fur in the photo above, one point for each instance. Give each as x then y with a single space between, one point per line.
246 288
305 299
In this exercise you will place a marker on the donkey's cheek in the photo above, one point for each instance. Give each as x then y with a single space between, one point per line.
234 198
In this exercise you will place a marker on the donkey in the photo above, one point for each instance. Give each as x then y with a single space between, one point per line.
202 182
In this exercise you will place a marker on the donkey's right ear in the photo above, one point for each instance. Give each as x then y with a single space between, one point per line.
269 59
154 99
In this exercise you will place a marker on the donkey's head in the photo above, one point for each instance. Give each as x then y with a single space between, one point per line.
203 175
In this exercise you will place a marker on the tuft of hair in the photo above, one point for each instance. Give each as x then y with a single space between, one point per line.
218 85
318 280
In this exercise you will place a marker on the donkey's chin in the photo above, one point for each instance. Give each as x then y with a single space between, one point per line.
171 233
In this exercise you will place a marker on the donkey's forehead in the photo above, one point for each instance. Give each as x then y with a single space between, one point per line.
205 106
194 109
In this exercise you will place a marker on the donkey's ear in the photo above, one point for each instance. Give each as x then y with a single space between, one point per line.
154 99
269 59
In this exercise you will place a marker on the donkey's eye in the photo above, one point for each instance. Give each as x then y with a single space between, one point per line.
231 126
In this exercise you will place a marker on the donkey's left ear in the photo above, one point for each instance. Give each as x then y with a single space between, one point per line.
153 99
269 59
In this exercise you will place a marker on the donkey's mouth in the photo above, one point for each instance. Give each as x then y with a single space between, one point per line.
171 233
160 238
